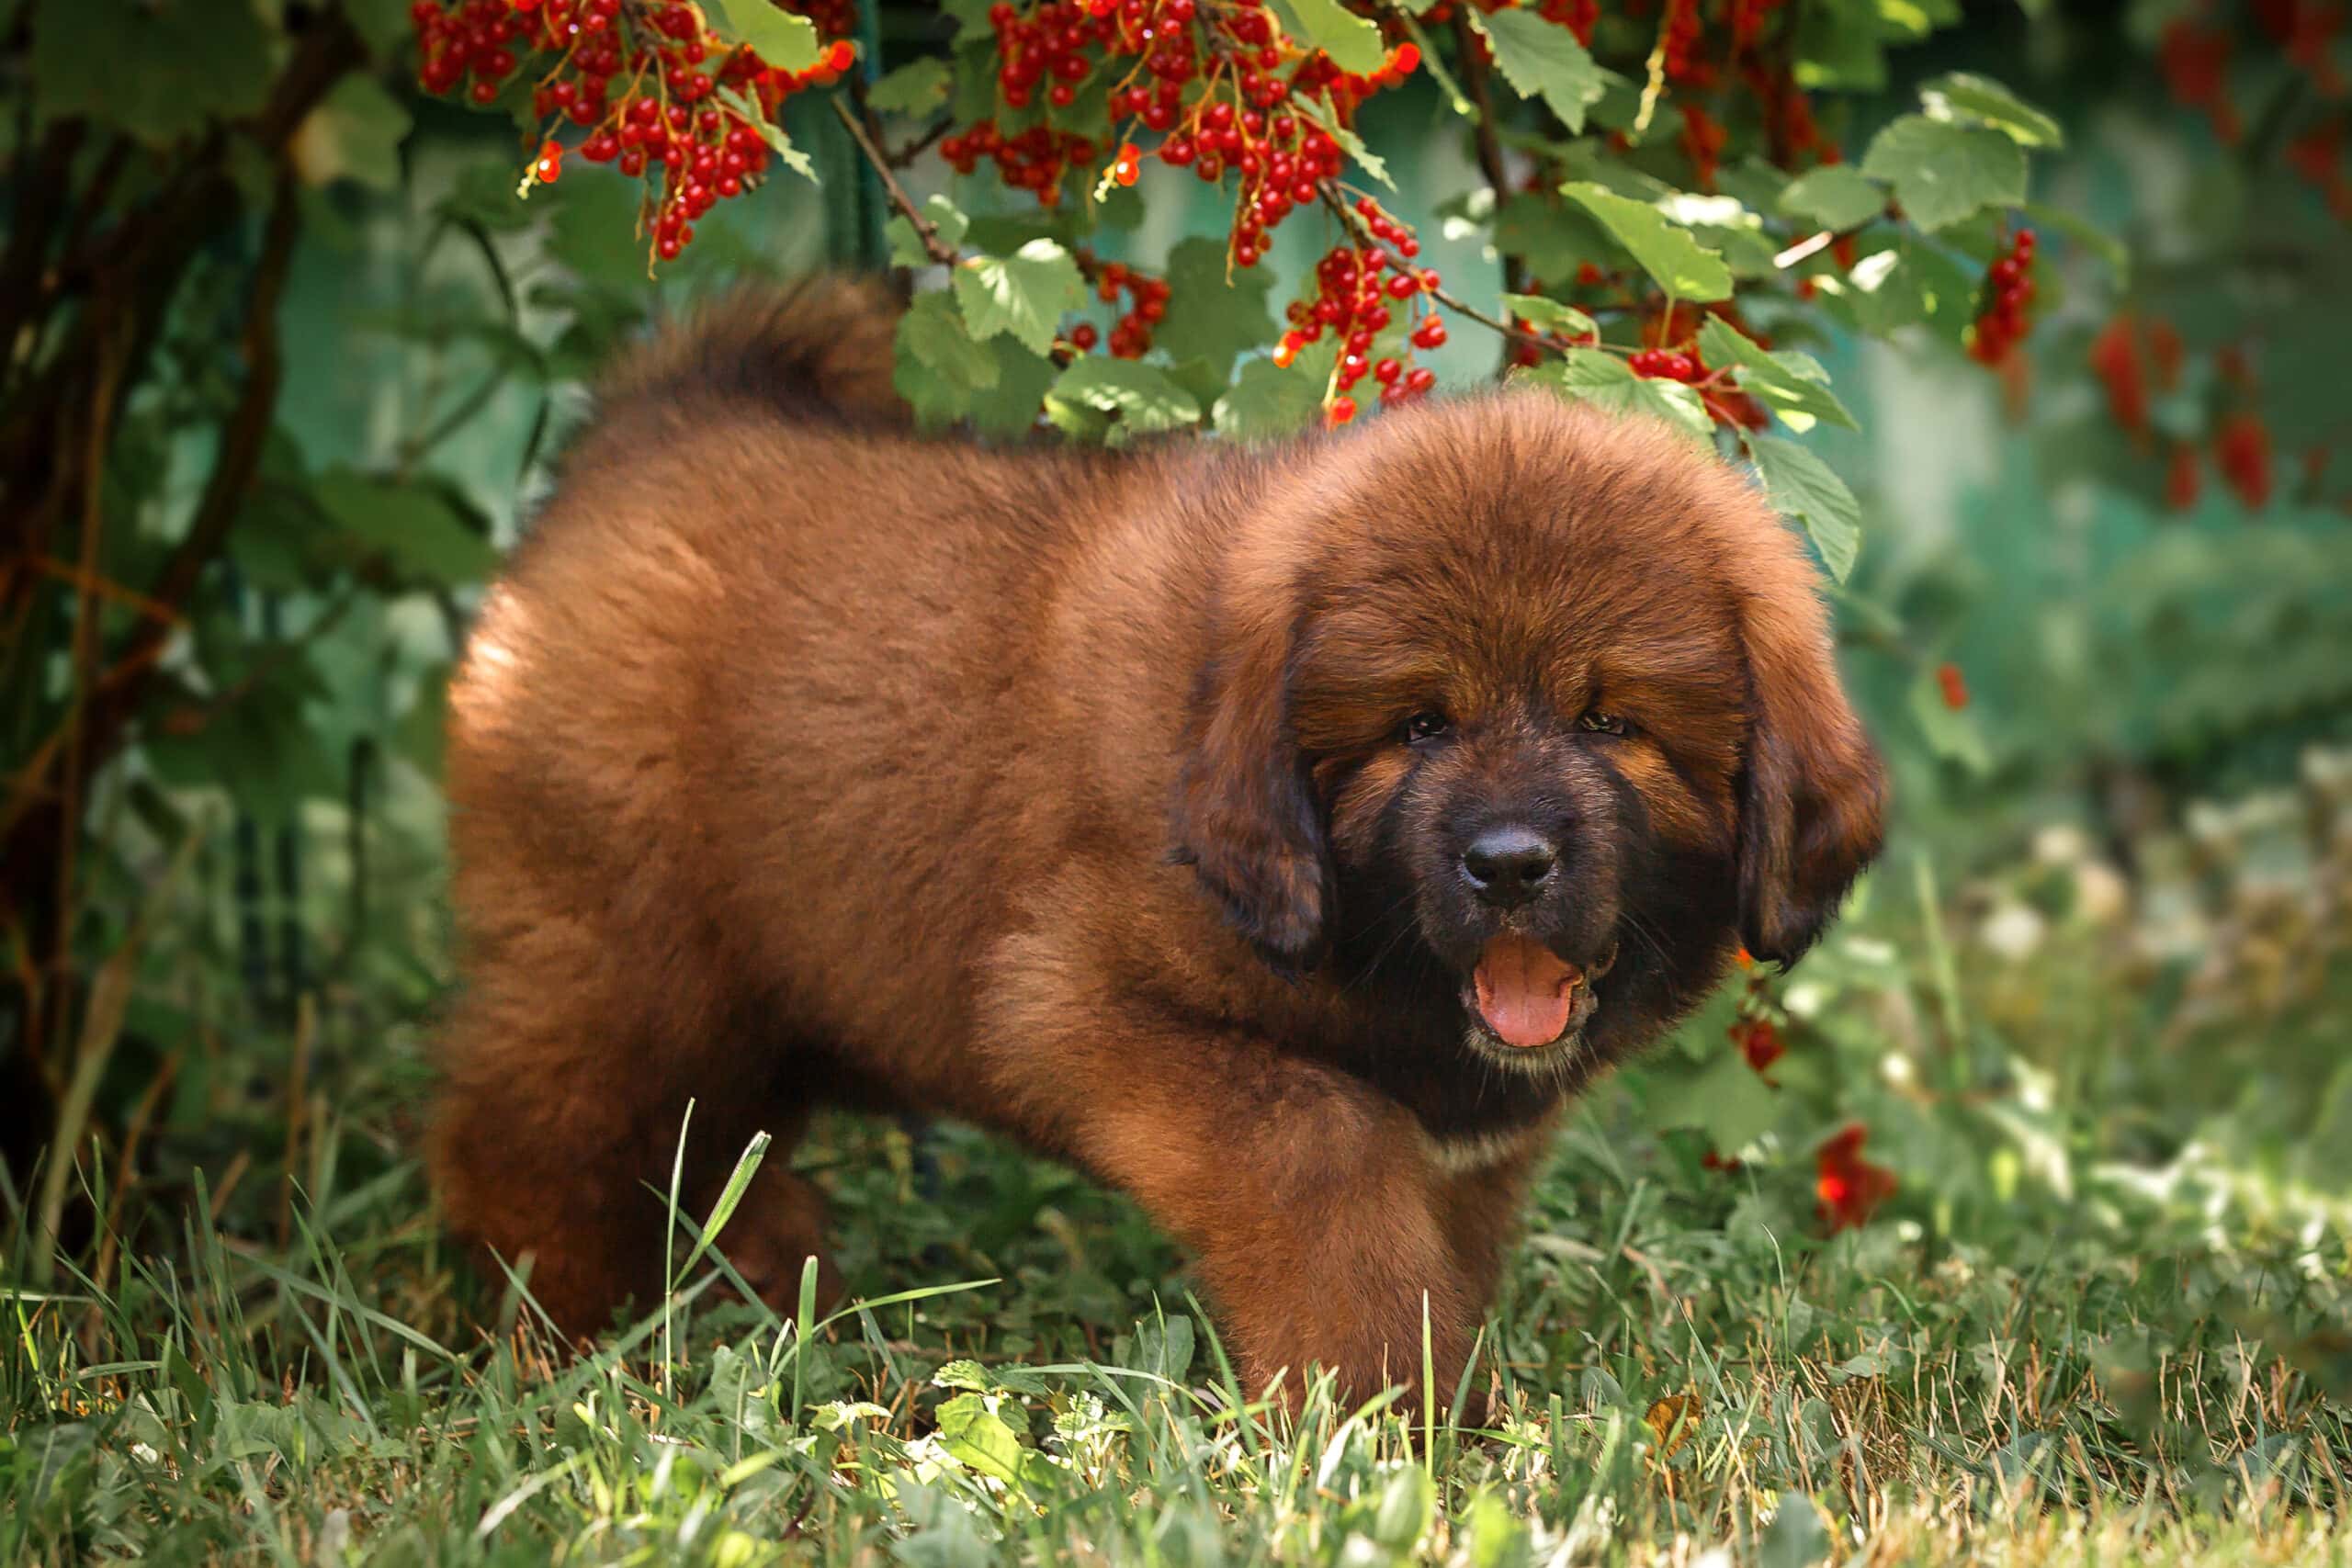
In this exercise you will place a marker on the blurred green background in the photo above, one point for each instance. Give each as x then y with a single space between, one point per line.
2094 1011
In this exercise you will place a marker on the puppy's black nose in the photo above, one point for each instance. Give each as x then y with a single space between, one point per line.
1508 866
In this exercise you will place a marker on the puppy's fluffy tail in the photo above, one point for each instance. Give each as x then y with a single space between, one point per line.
818 349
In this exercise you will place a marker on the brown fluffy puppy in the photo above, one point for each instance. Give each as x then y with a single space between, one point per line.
1279 835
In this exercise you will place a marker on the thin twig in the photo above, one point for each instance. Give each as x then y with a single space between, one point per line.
1477 79
242 442
934 247
921 144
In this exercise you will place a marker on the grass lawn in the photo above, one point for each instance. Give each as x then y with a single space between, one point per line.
1681 1378
2106 1316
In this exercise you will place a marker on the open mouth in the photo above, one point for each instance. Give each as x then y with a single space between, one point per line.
1527 997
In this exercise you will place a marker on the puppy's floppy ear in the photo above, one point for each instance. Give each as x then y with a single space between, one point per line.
1813 795
1246 817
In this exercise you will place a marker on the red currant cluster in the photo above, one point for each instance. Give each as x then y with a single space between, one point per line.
1703 141
1579 16
1760 1040
1049 46
1666 365
1787 112
2115 359
633 73
2183 482
1683 39
2008 289
2195 60
1148 303
472 40
2317 155
1722 398
1032 160
1747 21
2242 451
1237 125
1357 296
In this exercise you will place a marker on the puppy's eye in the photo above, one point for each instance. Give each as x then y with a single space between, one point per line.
1425 725
1603 723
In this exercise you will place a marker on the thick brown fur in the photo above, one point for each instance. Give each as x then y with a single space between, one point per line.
799 759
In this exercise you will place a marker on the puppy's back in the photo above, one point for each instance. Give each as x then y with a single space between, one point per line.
758 701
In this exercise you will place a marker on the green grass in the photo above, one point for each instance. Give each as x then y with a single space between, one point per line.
1678 1376
2105 1318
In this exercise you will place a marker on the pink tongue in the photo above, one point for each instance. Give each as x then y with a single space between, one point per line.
1525 992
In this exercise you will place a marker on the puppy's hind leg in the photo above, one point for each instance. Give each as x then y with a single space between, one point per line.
556 1123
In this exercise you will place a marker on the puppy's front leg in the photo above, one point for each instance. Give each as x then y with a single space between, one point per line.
1305 1195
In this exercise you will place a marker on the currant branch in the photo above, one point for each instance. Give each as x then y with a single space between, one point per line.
937 249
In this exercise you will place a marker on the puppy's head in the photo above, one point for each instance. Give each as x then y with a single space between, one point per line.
1528 712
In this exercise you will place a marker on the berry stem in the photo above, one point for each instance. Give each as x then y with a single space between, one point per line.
1474 77
934 246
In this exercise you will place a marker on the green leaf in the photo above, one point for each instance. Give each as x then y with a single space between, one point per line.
1960 94
1498 1537
383 25
1144 397
980 1438
917 87
1351 42
1588 374
1550 235
1840 44
157 69
1370 162
1795 1538
1268 401
1024 293
1725 1098
1683 268
594 232
1803 485
1404 1506
1209 317
938 367
355 133
419 733
416 531
770 133
1164 1347
1942 172
784 41
1007 407
1790 385
483 195
1910 283
1835 195
2092 238
1543 58
906 245
1548 315
1950 733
